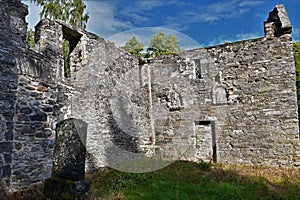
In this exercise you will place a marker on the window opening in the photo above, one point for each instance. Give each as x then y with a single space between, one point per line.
71 39
198 69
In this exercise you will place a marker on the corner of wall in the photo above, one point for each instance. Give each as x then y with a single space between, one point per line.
12 36
278 23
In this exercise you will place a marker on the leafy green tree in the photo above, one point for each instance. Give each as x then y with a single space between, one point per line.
296 47
162 45
133 46
172 45
69 11
30 38
66 55
157 43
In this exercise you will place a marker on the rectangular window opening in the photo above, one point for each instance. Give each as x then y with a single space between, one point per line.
198 69
71 39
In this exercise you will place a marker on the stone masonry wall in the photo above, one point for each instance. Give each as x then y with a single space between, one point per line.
232 103
13 26
90 89
37 108
256 121
29 98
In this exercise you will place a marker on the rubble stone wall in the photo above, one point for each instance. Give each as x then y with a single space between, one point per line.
232 103
12 47
250 93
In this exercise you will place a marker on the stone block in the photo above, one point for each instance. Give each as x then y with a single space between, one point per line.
38 116
9 135
43 134
69 162
6 147
5 171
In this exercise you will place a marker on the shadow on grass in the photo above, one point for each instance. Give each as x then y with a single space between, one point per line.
186 180
34 192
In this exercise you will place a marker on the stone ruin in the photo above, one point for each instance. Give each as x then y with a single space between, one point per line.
231 103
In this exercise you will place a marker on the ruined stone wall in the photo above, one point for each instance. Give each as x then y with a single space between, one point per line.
252 100
12 47
96 67
248 90
38 108
232 103
29 98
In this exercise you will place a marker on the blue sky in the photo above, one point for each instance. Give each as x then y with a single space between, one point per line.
202 22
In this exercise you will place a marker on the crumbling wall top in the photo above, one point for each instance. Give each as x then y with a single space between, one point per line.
278 22
283 16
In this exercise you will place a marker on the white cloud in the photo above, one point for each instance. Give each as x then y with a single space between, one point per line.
134 14
247 36
207 17
103 20
149 5
108 17
141 12
250 3
222 7
222 10
239 37
187 18
219 40
139 18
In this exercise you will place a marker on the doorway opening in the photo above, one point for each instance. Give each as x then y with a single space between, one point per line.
206 140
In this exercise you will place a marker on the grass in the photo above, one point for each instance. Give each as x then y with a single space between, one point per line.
187 180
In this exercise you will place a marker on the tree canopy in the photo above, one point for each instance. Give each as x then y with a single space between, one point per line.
30 38
69 11
133 46
160 44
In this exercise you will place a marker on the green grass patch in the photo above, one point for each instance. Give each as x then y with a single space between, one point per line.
187 180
